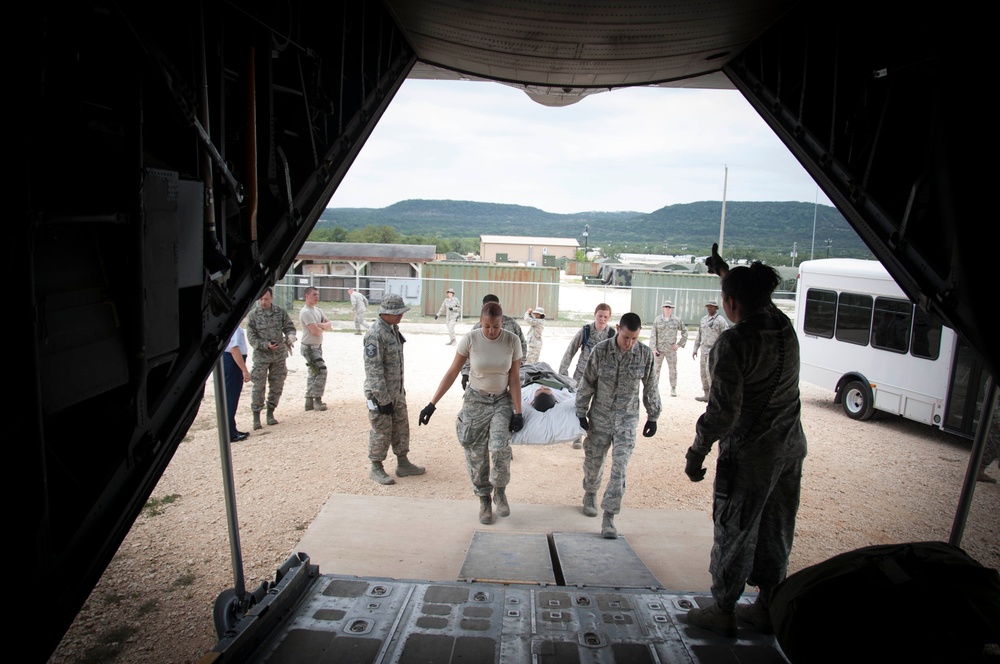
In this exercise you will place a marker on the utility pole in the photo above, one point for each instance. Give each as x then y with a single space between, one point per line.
722 226
812 250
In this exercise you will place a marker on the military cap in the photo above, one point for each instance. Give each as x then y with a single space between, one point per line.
392 304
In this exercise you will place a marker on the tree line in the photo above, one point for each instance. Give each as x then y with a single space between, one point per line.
389 235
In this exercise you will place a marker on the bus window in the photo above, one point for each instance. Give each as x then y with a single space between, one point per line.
854 318
926 335
891 324
821 313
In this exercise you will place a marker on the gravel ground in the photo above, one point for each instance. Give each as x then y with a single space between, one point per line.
882 481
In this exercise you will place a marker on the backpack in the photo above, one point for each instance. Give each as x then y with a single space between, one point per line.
586 335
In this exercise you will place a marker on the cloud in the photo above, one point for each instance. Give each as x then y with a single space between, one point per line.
634 149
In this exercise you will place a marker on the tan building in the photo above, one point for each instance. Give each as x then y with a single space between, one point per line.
525 250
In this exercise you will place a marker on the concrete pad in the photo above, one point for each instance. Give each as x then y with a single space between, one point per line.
426 539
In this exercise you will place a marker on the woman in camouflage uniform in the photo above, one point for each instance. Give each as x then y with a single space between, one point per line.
755 414
491 410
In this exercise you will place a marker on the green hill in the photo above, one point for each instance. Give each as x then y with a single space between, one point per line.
755 227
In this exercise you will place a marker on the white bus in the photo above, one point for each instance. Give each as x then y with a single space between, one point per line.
861 337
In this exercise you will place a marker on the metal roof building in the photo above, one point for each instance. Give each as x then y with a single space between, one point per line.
335 266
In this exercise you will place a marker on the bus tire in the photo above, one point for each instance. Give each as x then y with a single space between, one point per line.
857 401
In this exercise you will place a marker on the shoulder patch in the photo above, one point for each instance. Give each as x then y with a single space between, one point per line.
371 350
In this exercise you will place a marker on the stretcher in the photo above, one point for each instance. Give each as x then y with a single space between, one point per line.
559 424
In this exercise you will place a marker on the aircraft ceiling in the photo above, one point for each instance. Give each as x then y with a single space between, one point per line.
560 52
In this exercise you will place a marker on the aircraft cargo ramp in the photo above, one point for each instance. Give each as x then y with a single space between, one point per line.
538 586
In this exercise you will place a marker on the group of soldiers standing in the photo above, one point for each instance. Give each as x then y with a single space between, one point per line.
272 336
607 407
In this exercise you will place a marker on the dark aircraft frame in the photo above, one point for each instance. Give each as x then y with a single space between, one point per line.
172 158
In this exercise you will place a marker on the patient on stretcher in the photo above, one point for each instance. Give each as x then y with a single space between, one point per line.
549 406
543 399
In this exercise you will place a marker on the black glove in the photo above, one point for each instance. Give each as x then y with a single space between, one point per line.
465 381
436 316
584 424
385 408
649 430
517 422
694 468
715 264
425 414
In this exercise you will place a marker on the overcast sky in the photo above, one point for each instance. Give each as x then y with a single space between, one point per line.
635 149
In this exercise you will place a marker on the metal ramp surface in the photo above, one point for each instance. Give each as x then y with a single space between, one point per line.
351 620
566 598
587 559
508 558
582 560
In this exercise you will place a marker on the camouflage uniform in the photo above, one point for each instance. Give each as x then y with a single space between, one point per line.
664 336
608 395
359 305
483 430
383 384
754 412
535 328
451 309
709 330
313 353
269 369
594 337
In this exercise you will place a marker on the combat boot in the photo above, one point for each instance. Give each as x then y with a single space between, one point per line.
673 391
702 398
578 443
270 417
608 530
318 403
256 420
379 475
485 510
714 619
405 469
757 614
500 498
309 403
590 504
